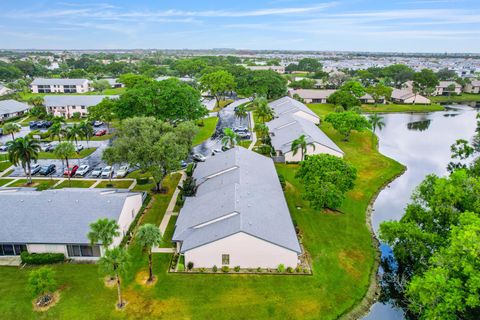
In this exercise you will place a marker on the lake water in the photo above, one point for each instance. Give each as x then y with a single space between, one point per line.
422 143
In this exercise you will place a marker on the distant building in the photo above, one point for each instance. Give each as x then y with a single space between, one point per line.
41 85
473 87
11 109
312 95
406 96
59 220
278 69
67 105
114 84
443 88
4 90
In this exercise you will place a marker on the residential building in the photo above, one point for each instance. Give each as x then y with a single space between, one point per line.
443 88
59 220
312 95
114 83
4 90
67 105
472 87
278 69
287 105
41 85
11 109
406 96
238 217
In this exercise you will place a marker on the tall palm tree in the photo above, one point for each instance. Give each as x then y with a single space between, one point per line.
87 130
230 138
241 111
376 121
263 131
103 231
11 128
114 263
56 130
264 111
36 101
64 150
149 236
74 133
23 151
301 144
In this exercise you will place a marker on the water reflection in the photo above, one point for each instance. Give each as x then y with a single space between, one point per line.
406 139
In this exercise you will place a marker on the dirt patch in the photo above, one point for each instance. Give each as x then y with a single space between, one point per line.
31 185
109 282
55 298
125 302
142 279
142 306
349 260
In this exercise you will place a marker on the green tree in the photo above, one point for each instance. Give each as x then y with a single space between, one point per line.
36 101
11 128
22 151
355 88
303 84
376 121
218 83
131 80
263 110
446 74
103 231
114 263
301 144
87 130
425 81
148 236
263 132
41 282
398 73
64 150
344 99
345 122
379 91
241 111
326 179
104 111
100 85
57 130
230 138
266 83
451 89
74 133
309 65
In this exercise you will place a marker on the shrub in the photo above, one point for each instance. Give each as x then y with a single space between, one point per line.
290 270
189 170
225 269
42 281
215 269
202 270
298 269
181 267
189 187
237 268
281 268
190 265
41 258
281 178
76 115
259 269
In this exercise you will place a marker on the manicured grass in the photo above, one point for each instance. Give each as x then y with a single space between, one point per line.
167 237
402 108
245 143
322 109
40 184
4 181
4 165
117 184
205 131
75 184
102 138
221 104
464 97
84 153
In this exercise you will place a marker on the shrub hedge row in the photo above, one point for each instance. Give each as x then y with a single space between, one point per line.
41 258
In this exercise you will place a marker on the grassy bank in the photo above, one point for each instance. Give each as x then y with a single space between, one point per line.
82 154
205 131
464 97
392 107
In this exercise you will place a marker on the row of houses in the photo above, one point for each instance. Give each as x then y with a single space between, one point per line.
43 85
322 95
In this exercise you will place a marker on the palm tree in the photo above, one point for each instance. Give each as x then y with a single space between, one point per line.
113 263
264 111
103 231
301 144
23 151
263 131
376 121
149 236
230 138
74 132
56 130
64 150
11 128
36 101
87 130
241 111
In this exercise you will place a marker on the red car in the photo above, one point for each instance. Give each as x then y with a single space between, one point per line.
70 171
101 133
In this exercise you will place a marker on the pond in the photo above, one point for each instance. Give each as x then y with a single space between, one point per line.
422 143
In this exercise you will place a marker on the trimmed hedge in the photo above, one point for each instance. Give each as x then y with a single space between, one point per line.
41 258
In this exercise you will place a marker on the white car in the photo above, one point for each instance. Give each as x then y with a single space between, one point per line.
199 157
97 172
35 168
79 148
3 148
122 172
107 172
216 151
82 170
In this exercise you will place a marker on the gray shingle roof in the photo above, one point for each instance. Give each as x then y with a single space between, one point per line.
288 128
238 191
56 216
48 82
288 105
12 106
75 100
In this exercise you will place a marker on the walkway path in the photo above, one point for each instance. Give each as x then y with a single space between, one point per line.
254 134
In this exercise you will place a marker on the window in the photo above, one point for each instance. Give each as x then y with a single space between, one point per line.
225 259
83 251
12 249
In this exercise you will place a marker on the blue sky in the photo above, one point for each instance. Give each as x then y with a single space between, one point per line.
360 25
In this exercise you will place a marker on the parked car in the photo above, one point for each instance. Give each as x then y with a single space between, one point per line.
122 172
199 157
35 168
82 170
100 133
183 164
244 135
241 129
97 172
107 172
216 151
47 170
48 147
3 148
32 124
97 123
70 171
79 148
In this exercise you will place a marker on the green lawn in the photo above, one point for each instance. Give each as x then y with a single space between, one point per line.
102 138
4 165
50 155
4 181
205 131
73 183
464 97
391 107
40 184
221 104
117 184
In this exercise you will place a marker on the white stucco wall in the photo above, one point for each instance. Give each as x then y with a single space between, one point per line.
44 248
245 251
319 149
129 212
469 88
